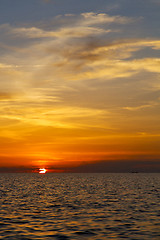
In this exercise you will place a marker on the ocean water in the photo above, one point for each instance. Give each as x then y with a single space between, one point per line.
80 206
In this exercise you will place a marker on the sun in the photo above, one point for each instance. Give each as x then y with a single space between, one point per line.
42 170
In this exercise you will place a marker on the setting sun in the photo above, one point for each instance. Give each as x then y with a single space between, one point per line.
79 86
42 170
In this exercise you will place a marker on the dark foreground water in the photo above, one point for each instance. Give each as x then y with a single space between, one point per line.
80 206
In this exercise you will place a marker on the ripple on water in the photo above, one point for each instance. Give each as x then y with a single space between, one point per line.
79 206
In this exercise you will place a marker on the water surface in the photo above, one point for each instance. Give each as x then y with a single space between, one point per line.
80 206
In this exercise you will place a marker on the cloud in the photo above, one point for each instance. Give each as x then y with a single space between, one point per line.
115 166
86 24
91 18
135 108
91 61
80 48
77 73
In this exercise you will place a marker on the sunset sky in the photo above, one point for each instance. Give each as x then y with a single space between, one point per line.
80 85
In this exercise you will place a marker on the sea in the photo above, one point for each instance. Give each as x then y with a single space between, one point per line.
80 206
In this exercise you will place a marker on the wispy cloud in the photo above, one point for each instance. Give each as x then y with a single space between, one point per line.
81 79
73 52
69 26
135 108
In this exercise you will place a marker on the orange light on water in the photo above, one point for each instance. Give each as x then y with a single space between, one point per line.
42 170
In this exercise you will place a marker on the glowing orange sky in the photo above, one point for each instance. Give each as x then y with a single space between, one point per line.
78 88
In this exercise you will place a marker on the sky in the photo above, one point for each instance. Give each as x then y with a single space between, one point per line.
80 85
